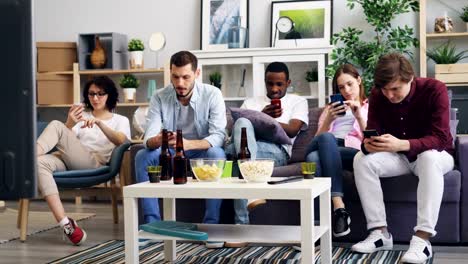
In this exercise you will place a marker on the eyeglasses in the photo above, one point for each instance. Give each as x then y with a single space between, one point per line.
99 95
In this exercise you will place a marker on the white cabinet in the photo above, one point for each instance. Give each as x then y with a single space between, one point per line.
243 70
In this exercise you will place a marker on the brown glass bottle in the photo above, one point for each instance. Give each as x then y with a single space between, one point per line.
244 152
165 158
179 161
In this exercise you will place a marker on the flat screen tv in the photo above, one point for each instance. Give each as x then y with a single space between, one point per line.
17 100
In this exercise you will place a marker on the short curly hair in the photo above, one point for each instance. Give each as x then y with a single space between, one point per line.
106 84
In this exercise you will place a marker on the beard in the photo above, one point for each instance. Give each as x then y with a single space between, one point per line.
189 91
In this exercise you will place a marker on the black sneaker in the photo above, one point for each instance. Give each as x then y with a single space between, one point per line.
341 222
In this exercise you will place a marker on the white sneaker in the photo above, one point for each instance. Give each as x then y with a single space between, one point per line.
374 242
298 248
214 244
419 251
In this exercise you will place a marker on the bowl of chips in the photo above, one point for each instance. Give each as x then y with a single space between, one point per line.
207 170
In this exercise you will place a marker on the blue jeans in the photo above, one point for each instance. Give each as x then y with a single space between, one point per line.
258 149
150 206
331 157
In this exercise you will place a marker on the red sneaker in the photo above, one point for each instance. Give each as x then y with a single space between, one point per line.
74 232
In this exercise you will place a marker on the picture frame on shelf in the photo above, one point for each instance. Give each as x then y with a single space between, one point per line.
309 23
217 16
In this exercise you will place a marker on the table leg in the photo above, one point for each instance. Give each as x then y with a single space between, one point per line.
131 230
325 220
307 231
169 214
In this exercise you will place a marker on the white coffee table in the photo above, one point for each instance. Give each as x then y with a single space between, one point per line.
305 191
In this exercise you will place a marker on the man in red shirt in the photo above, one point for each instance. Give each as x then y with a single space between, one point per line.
411 116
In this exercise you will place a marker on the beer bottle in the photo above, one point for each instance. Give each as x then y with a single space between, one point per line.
165 158
180 161
244 152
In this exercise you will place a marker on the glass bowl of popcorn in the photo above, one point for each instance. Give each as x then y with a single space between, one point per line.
207 170
258 170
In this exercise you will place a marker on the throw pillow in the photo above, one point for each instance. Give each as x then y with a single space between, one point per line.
266 127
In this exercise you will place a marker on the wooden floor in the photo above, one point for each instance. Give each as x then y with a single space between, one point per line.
50 245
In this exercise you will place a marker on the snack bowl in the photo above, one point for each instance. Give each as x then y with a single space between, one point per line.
207 170
258 170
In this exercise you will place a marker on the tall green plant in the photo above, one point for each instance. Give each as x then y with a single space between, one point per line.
350 48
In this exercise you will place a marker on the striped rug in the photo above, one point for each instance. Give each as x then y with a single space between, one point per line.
189 253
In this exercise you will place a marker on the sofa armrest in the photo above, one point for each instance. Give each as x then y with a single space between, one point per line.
133 151
462 158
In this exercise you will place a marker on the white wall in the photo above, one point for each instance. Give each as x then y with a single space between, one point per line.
63 20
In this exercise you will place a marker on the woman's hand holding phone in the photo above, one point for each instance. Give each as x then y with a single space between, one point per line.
75 114
338 106
334 111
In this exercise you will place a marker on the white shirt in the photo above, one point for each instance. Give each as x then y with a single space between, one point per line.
343 124
95 140
294 107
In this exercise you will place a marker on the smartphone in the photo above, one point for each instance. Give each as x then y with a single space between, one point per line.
370 133
337 98
289 179
276 102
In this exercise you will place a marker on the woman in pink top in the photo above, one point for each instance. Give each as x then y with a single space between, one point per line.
338 139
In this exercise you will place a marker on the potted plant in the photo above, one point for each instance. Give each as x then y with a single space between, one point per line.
135 48
312 78
464 16
129 83
215 79
446 54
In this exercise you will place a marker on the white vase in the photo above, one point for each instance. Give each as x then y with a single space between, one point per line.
129 95
313 89
466 26
136 59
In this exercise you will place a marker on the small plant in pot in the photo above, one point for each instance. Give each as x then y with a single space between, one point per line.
129 83
464 16
312 78
446 54
215 79
135 48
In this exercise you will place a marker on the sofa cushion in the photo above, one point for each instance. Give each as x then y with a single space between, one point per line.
287 170
306 136
266 127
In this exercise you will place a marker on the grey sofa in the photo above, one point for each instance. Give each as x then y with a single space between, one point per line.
399 196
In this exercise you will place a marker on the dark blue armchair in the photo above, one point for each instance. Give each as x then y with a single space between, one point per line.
78 179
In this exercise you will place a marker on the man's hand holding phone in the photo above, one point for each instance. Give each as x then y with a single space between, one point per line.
156 141
273 109
384 143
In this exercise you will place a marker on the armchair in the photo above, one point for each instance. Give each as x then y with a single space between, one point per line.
78 179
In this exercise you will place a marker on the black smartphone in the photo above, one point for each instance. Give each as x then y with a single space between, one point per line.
337 98
370 133
286 180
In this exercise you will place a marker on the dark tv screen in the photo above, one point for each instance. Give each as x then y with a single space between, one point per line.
17 100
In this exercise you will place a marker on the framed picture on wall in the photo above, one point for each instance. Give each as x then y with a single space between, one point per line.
300 24
217 17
